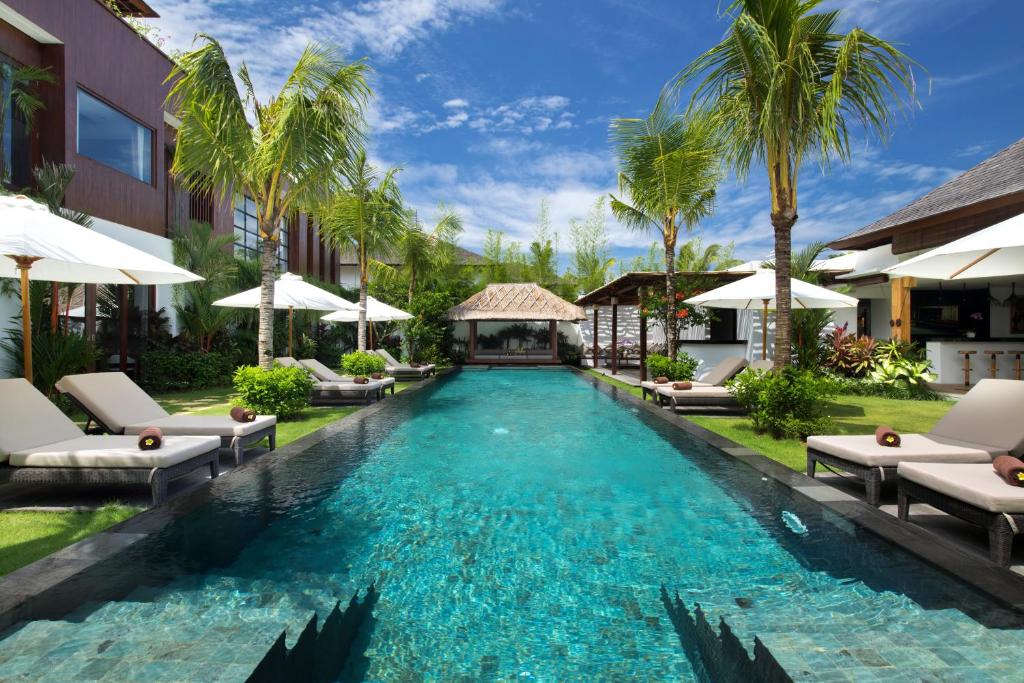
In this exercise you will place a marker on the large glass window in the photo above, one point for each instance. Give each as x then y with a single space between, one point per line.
111 138
15 141
248 244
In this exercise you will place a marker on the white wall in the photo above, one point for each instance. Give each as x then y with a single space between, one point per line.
348 276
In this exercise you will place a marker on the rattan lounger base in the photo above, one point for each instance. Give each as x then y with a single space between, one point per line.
1001 527
156 477
871 476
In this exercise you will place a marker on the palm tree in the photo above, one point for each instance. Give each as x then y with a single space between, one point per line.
20 84
285 160
52 181
421 252
367 218
199 250
784 83
668 170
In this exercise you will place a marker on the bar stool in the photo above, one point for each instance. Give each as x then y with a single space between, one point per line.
993 368
1016 363
967 366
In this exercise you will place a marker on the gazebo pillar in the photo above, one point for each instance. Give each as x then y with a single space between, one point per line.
595 348
90 322
643 338
553 330
122 323
472 339
615 335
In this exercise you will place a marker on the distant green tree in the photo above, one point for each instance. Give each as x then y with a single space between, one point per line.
591 261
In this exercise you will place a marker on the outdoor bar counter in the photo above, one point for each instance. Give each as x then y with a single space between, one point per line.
948 362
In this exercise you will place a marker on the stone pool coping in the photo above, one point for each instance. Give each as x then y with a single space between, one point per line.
53 584
998 583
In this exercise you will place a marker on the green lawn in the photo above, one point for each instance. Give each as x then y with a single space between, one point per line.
30 535
27 536
850 414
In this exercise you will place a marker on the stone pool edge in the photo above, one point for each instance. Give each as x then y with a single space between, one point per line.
999 584
36 587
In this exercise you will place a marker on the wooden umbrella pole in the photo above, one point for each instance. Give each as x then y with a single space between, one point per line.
291 315
764 330
24 263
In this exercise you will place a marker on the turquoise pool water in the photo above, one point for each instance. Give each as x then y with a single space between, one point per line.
518 525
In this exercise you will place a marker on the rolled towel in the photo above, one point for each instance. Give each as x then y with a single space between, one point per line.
150 439
360 380
682 386
240 414
377 375
887 436
661 379
1011 469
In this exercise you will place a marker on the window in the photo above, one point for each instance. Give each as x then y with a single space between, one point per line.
15 140
248 244
113 139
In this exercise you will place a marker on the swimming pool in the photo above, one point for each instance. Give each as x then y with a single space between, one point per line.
519 524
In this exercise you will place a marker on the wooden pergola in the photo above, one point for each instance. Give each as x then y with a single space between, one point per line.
628 290
515 302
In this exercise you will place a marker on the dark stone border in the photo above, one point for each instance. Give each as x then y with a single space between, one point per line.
37 586
997 583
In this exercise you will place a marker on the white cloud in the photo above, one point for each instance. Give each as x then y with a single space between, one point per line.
457 103
550 102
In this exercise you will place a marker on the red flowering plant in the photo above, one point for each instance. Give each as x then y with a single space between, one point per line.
654 304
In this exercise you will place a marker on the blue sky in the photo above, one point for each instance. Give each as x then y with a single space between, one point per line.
491 106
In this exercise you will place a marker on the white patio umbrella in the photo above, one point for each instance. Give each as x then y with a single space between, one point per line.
757 292
40 245
376 311
290 292
993 252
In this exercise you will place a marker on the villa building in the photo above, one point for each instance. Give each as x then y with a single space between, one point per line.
105 116
976 316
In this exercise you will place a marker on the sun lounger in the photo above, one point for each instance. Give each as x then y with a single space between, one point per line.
119 406
722 372
985 423
337 393
40 445
401 371
974 493
325 374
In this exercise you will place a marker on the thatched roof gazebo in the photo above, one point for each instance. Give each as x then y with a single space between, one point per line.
515 302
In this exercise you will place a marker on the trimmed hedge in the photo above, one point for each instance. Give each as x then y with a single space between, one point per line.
362 363
280 391
164 370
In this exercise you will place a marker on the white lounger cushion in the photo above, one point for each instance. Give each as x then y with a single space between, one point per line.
114 451
698 391
864 450
394 365
321 371
113 398
977 485
724 370
990 414
288 362
27 418
348 386
205 425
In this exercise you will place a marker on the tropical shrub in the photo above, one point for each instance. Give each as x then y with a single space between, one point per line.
53 355
280 391
848 354
902 371
362 363
176 370
786 403
897 349
680 370
901 391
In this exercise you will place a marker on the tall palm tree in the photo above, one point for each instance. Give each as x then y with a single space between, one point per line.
368 218
422 253
696 257
52 182
668 171
20 85
785 83
285 160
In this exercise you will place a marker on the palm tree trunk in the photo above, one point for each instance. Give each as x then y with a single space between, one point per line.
54 306
265 346
361 335
671 330
783 224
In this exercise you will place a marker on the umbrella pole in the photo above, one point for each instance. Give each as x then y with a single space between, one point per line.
764 329
24 263
291 315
